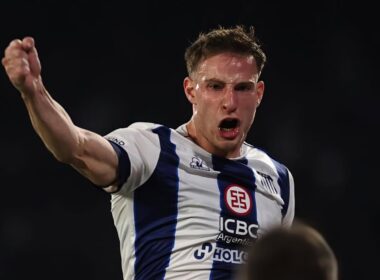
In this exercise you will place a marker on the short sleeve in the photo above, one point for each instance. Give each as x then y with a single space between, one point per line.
142 148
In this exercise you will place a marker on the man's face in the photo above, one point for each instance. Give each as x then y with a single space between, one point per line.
225 93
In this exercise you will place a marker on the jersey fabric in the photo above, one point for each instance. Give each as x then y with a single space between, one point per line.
183 213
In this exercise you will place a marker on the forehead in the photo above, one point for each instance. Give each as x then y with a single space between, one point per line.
228 67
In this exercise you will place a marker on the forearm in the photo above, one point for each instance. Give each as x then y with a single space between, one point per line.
86 151
53 124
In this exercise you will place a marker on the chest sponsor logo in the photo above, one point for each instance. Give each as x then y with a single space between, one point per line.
238 200
212 251
238 228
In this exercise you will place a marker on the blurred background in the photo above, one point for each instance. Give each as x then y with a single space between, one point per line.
113 63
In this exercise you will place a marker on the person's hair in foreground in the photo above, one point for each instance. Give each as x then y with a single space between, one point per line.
296 253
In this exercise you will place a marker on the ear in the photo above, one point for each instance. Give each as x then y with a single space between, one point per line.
189 88
260 92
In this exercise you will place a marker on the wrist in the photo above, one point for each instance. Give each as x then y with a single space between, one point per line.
35 88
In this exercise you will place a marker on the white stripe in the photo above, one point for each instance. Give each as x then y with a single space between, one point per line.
122 212
269 214
198 218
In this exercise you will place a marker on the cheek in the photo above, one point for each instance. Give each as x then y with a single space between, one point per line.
207 112
206 103
249 110
204 112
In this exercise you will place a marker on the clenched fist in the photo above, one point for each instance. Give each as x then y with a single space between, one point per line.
22 65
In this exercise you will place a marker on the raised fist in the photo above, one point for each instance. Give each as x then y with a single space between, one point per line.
22 65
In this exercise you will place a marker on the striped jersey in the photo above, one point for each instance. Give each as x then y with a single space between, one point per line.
183 213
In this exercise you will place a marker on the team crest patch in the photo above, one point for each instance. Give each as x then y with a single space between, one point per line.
267 182
238 200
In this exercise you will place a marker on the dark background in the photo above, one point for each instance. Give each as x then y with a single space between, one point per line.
112 63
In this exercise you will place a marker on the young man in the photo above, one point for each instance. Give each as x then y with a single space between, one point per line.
296 253
185 201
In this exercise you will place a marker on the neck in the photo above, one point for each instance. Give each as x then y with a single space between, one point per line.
191 131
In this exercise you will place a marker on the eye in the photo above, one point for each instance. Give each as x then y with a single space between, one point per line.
215 86
245 87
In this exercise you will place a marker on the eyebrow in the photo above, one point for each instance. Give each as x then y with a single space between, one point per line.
220 81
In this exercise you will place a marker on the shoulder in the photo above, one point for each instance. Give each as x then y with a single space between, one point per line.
136 127
141 126
260 157
136 132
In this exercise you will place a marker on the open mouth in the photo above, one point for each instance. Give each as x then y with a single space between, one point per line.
229 128
228 124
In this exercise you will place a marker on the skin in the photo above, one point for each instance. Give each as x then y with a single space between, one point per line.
86 151
224 86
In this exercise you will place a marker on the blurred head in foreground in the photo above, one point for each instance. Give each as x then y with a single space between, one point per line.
296 253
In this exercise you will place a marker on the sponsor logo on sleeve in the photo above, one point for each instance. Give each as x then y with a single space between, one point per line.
115 140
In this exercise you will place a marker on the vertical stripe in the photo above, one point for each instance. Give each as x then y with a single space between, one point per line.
155 213
124 165
283 182
232 173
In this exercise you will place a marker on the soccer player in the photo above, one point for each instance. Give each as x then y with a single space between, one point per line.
186 202
296 253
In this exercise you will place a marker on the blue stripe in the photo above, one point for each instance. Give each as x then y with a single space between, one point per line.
283 182
124 165
155 213
237 173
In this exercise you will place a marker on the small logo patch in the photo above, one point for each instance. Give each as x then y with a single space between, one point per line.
198 163
117 141
267 182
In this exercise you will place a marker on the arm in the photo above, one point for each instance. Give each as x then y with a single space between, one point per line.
88 152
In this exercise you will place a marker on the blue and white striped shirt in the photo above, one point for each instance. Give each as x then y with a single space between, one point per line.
183 213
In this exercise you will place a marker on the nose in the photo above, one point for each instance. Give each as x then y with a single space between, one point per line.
230 101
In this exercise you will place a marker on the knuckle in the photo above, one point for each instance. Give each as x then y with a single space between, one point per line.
15 42
4 61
